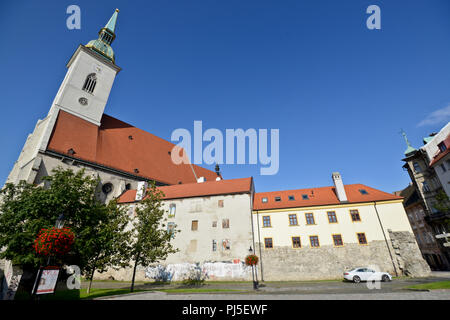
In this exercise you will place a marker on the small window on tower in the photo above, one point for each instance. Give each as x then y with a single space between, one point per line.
90 82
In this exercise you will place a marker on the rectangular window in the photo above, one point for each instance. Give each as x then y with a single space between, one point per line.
171 229
444 169
332 217
417 167
266 221
277 199
172 210
293 220
355 215
296 242
220 203
337 240
214 224
291 198
314 240
264 200
309 218
363 191
442 146
226 244
225 223
362 238
305 197
214 245
268 244
194 225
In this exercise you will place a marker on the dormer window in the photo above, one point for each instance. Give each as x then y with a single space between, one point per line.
90 82
305 197
277 199
442 146
291 198
264 200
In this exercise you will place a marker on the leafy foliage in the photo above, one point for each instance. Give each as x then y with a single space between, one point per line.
151 240
25 209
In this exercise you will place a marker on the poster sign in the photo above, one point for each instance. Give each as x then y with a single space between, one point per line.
48 280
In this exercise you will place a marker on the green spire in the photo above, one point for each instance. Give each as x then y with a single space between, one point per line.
106 36
410 149
111 25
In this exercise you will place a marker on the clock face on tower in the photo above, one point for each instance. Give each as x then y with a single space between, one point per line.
83 101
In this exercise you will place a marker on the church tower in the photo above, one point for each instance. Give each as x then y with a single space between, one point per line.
90 76
83 93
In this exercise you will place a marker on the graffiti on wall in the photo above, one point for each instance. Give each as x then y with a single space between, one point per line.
210 270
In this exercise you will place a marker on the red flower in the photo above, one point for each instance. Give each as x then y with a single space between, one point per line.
54 241
251 260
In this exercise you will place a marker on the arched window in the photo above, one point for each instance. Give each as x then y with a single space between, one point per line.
172 210
89 84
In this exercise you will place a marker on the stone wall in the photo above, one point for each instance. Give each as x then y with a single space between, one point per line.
407 254
326 262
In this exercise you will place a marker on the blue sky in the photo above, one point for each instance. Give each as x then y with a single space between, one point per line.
338 92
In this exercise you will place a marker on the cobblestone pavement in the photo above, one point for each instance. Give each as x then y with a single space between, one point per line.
407 295
323 290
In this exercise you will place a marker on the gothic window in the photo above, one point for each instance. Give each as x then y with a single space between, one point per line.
172 210
89 83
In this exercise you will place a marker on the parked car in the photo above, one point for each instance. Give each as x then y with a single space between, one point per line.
366 274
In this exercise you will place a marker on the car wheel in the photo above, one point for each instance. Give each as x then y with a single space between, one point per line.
385 278
356 279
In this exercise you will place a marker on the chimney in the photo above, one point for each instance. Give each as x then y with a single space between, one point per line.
339 185
141 190
201 179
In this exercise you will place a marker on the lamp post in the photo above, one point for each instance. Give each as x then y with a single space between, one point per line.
255 282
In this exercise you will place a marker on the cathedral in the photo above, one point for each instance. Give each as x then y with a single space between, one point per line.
77 133
317 232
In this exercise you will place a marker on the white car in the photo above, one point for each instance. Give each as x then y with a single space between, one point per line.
365 274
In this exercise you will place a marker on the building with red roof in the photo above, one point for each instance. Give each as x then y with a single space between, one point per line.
78 134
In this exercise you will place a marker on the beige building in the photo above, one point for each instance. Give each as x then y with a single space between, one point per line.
215 229
303 234
319 233
428 244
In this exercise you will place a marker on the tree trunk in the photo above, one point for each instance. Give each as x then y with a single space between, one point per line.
92 275
90 282
134 272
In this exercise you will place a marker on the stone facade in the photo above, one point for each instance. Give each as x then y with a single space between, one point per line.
328 262
407 254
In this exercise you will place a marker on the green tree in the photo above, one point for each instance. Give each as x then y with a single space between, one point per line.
26 208
150 242
105 243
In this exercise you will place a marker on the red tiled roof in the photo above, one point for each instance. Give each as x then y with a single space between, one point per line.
319 197
207 188
441 154
118 145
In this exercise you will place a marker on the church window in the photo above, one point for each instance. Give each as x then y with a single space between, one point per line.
107 188
89 83
417 167
172 210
